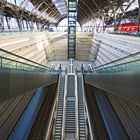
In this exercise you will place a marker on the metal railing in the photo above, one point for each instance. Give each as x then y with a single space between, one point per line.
127 63
136 33
13 61
16 32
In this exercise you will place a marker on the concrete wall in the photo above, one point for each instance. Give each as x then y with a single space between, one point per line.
42 47
83 45
58 41
113 47
58 45
29 45
14 83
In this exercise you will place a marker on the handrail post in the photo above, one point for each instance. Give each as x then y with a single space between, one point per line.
16 65
0 61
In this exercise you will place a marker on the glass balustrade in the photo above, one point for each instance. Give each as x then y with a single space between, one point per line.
12 61
128 63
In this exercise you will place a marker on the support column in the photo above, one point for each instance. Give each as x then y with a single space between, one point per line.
19 23
72 18
1 15
114 21
23 24
139 16
30 26
8 22
37 25
27 26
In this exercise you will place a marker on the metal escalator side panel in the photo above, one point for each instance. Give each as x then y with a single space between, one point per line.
81 108
59 113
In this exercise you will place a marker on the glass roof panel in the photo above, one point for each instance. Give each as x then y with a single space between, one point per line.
61 6
27 5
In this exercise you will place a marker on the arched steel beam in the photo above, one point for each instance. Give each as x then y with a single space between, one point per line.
87 6
85 11
63 17
83 19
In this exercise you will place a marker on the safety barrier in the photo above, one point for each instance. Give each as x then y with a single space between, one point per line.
128 63
13 61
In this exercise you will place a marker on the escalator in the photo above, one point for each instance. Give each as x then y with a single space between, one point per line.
23 86
70 117
20 75
114 89
81 108
59 112
74 106
41 125
120 77
70 120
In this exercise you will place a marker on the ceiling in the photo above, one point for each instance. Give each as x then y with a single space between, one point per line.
86 9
